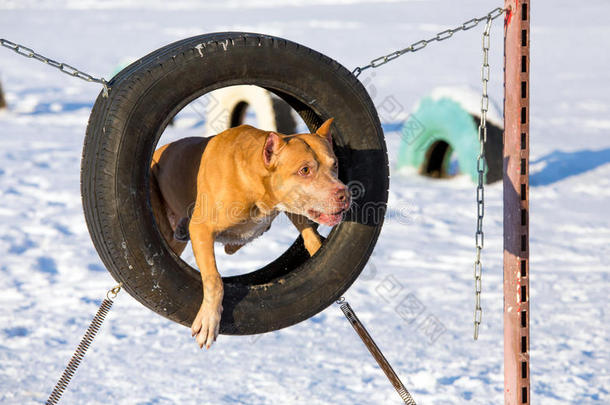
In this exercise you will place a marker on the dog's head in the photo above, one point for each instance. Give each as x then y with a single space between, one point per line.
303 173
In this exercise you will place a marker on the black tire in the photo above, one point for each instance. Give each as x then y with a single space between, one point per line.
122 134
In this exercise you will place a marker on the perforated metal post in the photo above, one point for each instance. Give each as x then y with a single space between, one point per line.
516 203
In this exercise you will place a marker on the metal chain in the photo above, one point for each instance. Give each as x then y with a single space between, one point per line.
441 36
63 67
481 163
416 46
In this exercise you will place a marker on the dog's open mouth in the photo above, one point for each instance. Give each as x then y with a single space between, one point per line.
326 219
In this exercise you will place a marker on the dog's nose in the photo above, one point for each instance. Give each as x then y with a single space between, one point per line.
342 195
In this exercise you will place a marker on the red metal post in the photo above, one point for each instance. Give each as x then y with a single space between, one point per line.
516 202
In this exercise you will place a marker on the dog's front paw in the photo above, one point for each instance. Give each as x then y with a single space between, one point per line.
206 325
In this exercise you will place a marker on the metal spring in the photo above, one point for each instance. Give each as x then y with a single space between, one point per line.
384 364
406 396
84 344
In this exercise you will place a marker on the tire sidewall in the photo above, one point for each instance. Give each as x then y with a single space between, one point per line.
121 138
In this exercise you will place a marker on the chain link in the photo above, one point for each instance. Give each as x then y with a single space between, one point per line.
63 67
481 164
441 36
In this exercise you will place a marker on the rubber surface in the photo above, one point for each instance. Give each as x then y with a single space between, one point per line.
122 134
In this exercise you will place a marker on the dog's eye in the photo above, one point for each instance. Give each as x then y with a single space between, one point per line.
304 171
336 165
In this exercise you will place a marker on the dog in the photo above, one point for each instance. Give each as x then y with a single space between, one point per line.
230 187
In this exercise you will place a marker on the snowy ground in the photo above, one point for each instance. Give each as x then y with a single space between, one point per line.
52 280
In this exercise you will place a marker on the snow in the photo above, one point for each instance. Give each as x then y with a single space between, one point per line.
470 99
415 295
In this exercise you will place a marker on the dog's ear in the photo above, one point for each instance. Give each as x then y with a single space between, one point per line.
324 130
273 144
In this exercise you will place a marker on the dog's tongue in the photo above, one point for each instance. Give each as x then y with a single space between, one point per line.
329 219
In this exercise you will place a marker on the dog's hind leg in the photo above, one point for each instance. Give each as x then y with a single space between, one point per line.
181 231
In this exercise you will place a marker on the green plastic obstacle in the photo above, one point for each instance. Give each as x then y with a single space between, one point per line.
440 139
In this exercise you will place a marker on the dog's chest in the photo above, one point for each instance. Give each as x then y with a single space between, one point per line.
246 231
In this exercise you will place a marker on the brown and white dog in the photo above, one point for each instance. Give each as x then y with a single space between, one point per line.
230 187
